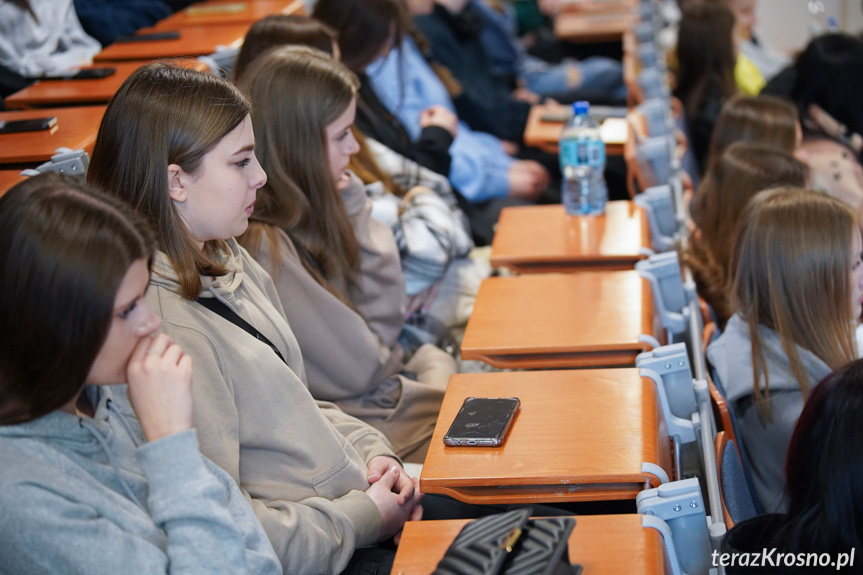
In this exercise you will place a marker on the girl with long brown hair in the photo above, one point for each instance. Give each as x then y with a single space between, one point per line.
178 145
84 486
336 268
705 76
742 171
797 291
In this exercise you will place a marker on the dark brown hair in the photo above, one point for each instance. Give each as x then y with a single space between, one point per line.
705 55
64 250
280 30
364 27
165 115
742 171
297 92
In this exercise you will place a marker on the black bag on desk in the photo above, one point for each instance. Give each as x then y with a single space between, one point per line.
512 544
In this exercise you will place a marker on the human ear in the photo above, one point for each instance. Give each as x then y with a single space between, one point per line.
176 180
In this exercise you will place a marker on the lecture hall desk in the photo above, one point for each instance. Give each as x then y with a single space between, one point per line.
545 135
584 319
588 6
76 129
193 41
579 435
229 12
539 239
82 92
577 27
601 544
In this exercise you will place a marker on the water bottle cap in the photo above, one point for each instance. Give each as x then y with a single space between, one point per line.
580 108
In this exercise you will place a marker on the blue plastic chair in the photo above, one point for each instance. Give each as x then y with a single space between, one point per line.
737 501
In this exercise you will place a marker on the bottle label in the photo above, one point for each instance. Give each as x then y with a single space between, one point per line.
582 152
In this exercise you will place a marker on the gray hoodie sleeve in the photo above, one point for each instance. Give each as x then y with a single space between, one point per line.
202 521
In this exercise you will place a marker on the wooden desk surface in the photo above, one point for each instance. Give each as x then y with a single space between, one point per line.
76 129
578 27
193 41
584 319
601 544
229 12
546 135
591 6
531 239
9 178
580 435
79 92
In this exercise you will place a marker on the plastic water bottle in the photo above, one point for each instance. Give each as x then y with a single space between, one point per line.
582 161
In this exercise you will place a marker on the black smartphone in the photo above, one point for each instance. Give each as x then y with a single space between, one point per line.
167 35
87 74
482 421
32 125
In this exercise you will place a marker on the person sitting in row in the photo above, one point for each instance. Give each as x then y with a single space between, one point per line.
488 104
86 486
336 269
403 84
178 145
43 37
822 485
742 171
827 93
432 233
797 289
431 149
596 79
763 120
105 20
705 71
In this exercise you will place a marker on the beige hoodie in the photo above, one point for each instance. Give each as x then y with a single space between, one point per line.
302 463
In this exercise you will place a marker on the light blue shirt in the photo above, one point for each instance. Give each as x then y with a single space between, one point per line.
406 85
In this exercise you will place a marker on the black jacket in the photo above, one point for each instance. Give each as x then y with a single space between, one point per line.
486 103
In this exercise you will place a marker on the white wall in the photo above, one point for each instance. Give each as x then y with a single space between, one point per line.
784 24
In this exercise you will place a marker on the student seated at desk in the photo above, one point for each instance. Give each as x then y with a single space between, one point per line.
596 78
742 171
797 289
335 267
106 19
85 486
39 37
432 233
178 145
705 75
395 91
823 487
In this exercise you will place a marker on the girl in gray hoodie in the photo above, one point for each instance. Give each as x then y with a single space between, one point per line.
85 486
797 289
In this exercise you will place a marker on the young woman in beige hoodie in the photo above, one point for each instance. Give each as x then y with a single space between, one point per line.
178 145
336 268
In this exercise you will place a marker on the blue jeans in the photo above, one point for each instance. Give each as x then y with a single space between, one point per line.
599 75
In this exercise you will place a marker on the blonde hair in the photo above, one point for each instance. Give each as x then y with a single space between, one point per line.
792 275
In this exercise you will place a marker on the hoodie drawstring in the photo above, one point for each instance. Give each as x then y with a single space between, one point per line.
89 427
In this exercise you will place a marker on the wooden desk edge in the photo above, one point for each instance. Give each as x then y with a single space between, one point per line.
581 359
528 265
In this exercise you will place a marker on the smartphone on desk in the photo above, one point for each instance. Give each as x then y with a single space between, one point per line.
31 125
167 35
482 421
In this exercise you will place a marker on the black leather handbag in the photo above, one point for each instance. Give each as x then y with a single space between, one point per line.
512 544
